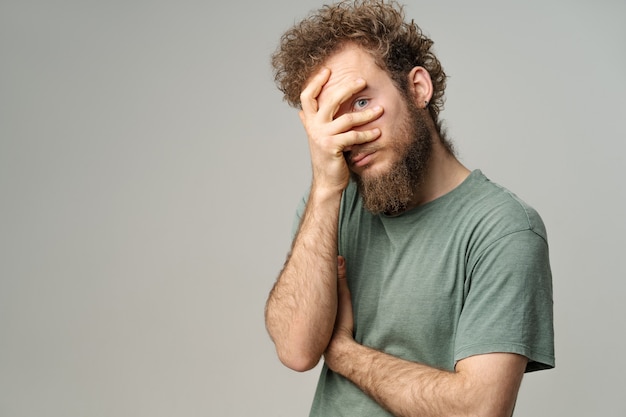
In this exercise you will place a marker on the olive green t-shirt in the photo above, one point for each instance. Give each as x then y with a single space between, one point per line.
465 274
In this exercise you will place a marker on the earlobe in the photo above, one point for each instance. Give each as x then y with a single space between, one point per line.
421 86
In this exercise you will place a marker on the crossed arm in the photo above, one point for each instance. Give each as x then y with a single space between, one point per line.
483 385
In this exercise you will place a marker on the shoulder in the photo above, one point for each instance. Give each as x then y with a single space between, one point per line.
500 211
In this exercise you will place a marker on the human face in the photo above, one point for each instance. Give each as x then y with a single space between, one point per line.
389 170
376 157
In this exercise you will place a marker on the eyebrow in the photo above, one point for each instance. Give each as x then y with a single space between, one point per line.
365 91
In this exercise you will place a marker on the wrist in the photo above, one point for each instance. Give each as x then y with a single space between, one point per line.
324 192
338 353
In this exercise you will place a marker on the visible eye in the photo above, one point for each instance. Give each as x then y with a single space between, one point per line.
360 104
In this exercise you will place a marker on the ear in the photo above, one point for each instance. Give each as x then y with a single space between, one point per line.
421 86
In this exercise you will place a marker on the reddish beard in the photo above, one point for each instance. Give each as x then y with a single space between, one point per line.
391 192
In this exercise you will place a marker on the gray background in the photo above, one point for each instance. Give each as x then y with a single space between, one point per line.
149 172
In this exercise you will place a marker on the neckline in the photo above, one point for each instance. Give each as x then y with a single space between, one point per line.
474 175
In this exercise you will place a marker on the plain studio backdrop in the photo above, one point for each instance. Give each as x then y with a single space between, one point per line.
149 172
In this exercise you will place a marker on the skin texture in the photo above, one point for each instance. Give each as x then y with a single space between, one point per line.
309 311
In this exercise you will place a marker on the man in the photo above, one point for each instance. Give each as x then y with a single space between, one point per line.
425 287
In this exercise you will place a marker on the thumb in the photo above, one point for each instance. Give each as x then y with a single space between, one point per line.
342 281
345 320
341 268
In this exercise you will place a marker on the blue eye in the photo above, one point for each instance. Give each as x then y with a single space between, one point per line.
360 104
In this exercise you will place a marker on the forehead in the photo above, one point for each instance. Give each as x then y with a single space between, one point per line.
351 62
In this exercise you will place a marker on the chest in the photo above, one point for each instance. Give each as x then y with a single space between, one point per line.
407 287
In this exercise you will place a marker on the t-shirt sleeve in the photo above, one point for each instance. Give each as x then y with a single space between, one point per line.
508 301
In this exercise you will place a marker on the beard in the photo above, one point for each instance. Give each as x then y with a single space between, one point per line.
391 192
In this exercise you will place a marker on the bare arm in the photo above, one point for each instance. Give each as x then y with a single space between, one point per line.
301 309
483 385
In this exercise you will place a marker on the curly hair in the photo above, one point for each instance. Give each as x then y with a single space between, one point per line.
378 26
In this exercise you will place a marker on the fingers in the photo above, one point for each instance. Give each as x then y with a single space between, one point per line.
308 96
344 323
337 94
345 141
332 128
343 293
341 268
358 118
323 96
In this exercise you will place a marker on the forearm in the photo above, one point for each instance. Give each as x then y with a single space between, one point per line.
301 309
403 388
407 388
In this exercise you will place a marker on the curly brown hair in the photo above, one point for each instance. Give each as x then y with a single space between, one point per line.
378 26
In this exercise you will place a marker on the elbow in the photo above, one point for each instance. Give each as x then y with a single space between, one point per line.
297 347
296 354
298 361
295 351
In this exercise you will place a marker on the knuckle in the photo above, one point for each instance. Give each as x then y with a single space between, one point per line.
349 118
371 114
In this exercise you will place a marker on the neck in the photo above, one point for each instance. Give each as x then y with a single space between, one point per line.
443 174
